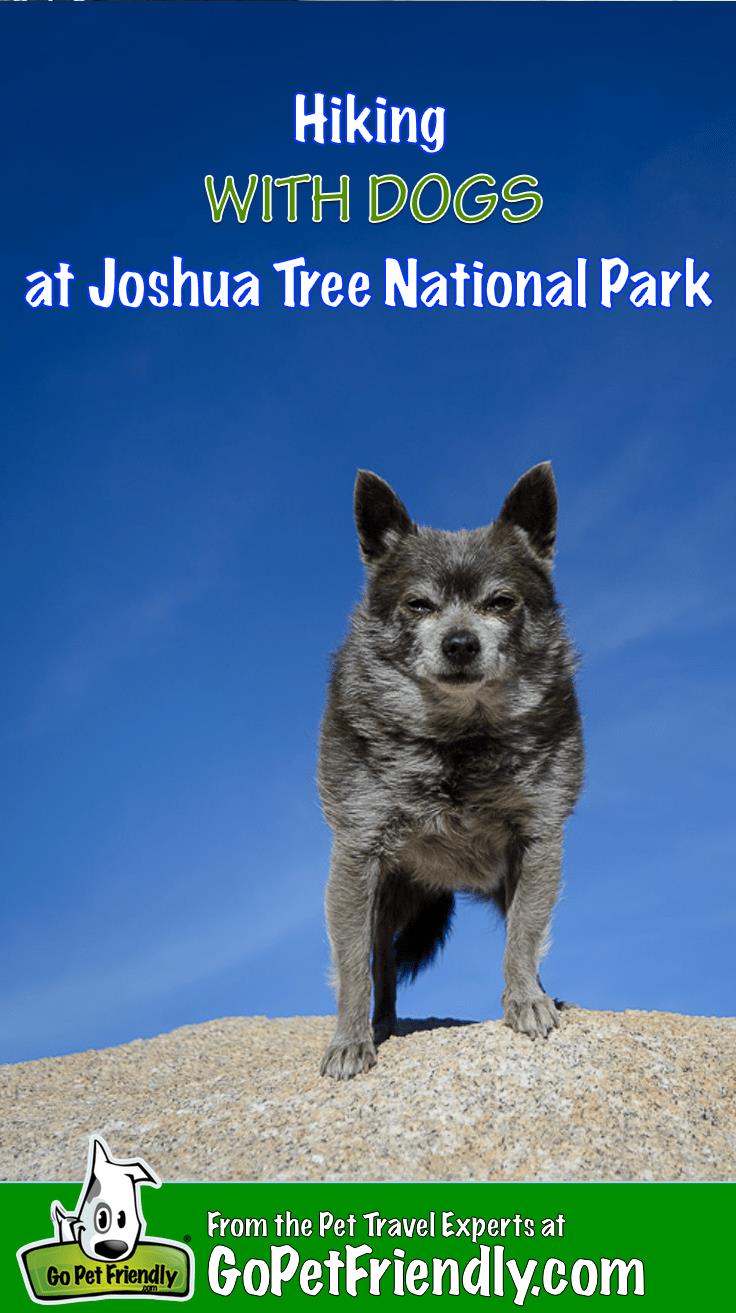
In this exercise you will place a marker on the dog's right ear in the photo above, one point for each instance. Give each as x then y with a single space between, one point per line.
381 518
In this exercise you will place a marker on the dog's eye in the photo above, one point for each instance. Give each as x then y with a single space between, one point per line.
121 1219
499 603
102 1217
420 605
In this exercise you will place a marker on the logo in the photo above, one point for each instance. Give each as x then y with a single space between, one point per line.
98 1251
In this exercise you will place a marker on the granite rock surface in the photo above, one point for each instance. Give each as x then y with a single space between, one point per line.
610 1096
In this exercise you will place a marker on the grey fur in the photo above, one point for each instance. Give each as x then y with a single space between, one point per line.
451 754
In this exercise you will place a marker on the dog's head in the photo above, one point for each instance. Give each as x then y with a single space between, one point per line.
463 614
108 1222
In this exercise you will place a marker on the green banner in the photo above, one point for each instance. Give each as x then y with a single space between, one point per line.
57 1272
667 1247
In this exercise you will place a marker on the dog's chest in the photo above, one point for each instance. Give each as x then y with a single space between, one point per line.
460 831
456 849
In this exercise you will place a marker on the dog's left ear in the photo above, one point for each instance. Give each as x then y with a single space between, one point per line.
532 506
141 1172
381 518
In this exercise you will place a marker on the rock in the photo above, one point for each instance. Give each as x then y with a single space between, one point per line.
610 1096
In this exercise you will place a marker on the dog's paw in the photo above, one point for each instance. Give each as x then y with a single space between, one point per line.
535 1016
344 1059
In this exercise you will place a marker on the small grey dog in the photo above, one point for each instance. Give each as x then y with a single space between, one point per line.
451 755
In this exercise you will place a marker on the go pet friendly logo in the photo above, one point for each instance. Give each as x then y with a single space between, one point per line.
98 1251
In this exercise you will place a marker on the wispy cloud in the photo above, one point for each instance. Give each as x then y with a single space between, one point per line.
645 610
115 635
139 970
666 575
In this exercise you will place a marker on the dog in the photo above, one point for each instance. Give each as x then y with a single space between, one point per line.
450 755
108 1221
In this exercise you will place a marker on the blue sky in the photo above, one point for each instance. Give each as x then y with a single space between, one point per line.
177 544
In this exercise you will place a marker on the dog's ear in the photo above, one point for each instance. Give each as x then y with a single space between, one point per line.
532 506
99 1154
140 1171
381 518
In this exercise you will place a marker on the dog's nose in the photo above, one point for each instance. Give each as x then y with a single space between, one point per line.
110 1248
460 646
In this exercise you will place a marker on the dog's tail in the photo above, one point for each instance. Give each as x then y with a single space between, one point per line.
64 1223
424 935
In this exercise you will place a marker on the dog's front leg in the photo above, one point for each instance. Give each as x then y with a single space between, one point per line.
526 1007
350 906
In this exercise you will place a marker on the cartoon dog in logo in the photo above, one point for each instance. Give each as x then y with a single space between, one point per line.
108 1221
